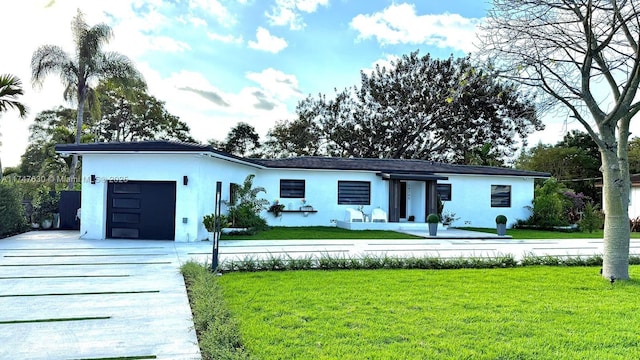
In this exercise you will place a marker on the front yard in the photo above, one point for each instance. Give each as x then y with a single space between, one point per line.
516 313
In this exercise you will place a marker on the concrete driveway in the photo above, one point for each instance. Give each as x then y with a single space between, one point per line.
65 298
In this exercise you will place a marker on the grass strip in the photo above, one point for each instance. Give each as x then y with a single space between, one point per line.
54 320
516 313
217 331
84 293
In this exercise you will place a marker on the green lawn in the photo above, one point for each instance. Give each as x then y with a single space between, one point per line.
518 313
545 234
318 232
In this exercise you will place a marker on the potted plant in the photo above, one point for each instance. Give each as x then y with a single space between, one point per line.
433 220
501 225
448 218
305 206
276 208
45 208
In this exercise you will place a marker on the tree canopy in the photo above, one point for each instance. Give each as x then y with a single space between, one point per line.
242 140
129 113
418 108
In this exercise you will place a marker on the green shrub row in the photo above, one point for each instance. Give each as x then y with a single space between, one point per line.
218 332
328 262
548 260
12 219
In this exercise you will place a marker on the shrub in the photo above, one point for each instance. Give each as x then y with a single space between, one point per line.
549 205
433 219
209 222
45 204
12 220
218 332
501 219
592 218
245 207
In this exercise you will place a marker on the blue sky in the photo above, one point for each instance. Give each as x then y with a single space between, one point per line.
218 62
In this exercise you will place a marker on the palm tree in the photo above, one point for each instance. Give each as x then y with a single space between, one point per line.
82 70
10 89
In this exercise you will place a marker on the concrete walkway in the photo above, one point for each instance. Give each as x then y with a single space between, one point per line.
65 298
62 297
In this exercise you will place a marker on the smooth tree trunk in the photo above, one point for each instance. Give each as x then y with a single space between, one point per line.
74 162
615 194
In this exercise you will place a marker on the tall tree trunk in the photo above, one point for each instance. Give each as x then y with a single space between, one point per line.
74 163
615 193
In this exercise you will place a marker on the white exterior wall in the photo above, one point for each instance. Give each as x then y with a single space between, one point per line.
471 199
193 200
321 192
471 194
634 203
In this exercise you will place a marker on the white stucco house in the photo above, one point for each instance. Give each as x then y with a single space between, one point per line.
161 190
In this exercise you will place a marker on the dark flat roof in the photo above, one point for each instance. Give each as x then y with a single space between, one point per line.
391 166
396 166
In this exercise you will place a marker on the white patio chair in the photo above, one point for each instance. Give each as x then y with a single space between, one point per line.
378 215
353 215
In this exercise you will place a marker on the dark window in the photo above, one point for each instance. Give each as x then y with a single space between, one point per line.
233 193
354 192
444 191
500 195
292 188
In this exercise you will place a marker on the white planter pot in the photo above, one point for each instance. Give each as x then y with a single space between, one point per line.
46 224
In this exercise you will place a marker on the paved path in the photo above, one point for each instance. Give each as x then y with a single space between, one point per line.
65 298
62 297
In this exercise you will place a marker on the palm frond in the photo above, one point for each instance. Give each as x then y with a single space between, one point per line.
120 69
10 89
50 59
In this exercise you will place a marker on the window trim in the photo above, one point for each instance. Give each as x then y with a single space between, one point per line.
296 195
368 185
494 186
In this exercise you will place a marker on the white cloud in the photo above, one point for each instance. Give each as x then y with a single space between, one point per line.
267 42
215 9
385 62
167 44
276 83
229 39
197 22
287 12
399 24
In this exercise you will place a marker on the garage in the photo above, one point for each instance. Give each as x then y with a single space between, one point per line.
141 210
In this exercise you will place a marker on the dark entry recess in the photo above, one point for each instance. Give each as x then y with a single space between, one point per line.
68 208
403 200
141 210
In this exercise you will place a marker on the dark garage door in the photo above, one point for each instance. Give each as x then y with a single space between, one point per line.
141 210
